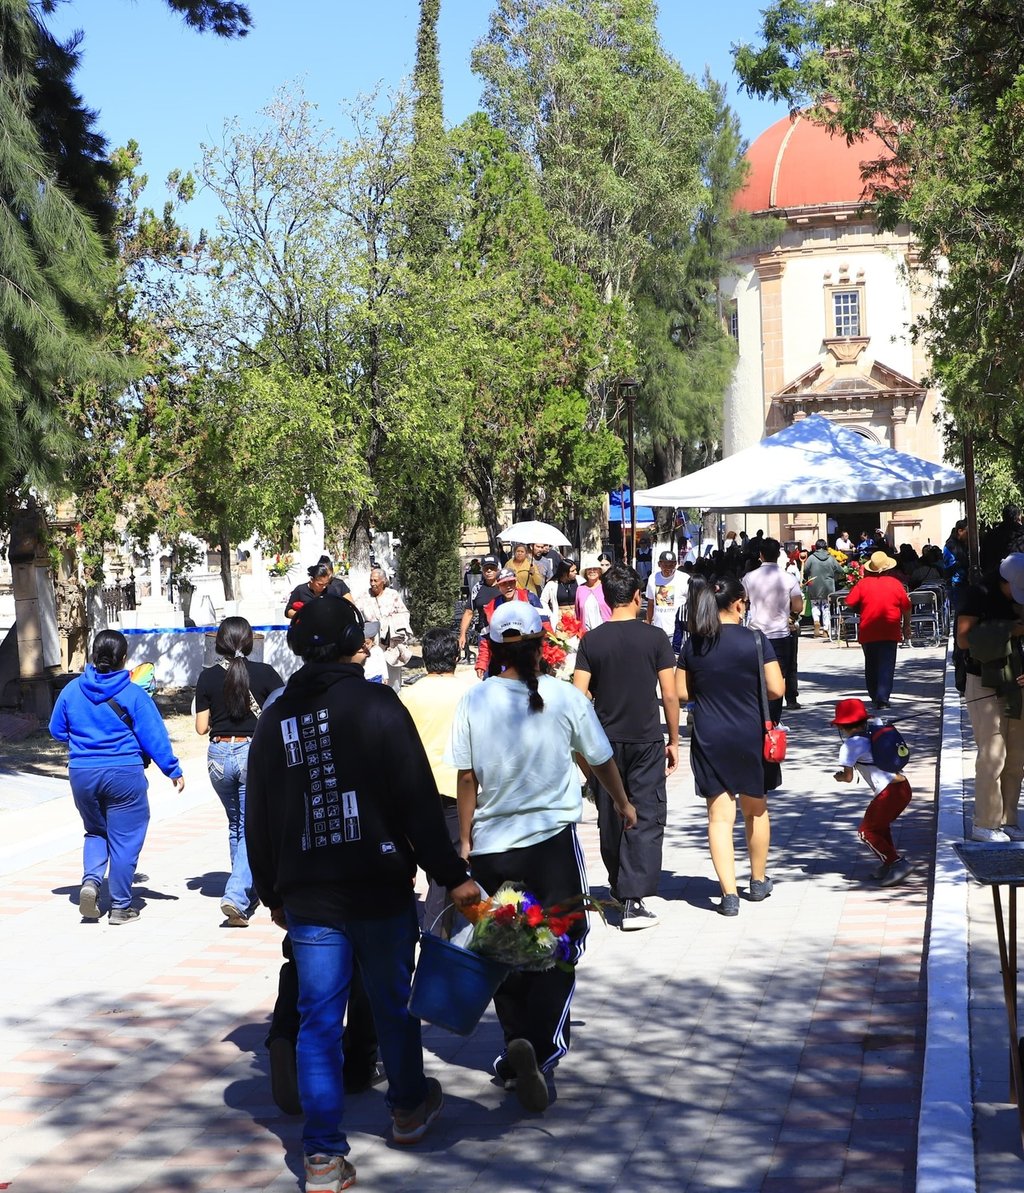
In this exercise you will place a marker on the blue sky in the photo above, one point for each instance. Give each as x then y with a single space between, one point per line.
171 89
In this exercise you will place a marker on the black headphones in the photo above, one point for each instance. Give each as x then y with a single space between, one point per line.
352 637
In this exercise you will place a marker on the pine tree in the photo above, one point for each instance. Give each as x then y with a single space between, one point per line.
55 272
428 511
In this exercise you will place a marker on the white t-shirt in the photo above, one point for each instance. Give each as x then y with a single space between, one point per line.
670 594
856 752
769 590
523 761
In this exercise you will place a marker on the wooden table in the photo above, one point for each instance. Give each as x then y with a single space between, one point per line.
996 866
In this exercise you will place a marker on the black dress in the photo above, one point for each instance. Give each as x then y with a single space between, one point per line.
727 726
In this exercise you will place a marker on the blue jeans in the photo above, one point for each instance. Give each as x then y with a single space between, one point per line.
879 669
324 956
114 806
227 763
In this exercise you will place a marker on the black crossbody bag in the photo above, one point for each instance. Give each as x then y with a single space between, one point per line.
125 716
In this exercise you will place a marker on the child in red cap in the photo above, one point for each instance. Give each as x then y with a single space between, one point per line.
891 791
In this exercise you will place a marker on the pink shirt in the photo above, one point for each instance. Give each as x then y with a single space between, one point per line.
584 596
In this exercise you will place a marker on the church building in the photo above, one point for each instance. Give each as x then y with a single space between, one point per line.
821 314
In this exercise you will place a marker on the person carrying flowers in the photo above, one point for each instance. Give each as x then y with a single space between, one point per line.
519 799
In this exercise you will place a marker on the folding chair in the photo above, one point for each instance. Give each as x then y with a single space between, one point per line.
925 617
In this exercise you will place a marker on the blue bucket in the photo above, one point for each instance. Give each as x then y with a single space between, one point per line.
452 986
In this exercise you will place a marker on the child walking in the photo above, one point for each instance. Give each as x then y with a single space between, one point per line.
891 790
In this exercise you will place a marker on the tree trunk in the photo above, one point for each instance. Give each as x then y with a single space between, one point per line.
224 547
488 514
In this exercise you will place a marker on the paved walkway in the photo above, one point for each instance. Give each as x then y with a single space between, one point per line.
779 1052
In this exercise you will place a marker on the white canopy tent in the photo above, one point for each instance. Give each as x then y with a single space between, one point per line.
813 464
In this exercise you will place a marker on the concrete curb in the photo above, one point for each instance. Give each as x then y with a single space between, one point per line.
945 1147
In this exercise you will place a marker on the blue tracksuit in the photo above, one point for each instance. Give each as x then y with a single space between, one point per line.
105 766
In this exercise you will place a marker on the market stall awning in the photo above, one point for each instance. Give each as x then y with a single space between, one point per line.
813 464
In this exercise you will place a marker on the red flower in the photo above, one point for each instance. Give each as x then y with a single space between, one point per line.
504 913
559 924
571 626
297 604
553 655
535 915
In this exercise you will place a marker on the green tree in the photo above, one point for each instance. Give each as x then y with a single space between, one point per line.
618 138
306 291
942 84
426 509
55 273
532 345
612 125
686 357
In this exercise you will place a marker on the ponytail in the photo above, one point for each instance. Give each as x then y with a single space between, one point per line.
234 643
523 654
109 651
707 599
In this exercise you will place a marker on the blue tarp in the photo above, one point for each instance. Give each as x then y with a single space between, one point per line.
616 498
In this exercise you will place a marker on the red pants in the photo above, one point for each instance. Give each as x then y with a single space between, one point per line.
881 812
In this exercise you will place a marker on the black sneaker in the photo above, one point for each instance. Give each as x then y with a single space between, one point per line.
636 916
504 1072
760 889
730 905
531 1084
123 915
361 1078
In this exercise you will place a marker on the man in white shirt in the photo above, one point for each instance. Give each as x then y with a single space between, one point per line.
844 543
667 592
774 596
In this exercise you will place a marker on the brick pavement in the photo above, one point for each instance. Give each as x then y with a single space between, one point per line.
778 1051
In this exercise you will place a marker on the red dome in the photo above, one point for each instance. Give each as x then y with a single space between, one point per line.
796 163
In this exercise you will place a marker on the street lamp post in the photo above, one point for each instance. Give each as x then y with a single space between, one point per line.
628 389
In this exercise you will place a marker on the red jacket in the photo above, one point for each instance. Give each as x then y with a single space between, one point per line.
881 602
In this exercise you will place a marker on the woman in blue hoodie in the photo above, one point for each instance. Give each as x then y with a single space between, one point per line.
112 728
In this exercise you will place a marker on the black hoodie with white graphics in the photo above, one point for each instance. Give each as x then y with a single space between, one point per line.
341 805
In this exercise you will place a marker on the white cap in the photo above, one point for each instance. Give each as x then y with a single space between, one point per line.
515 620
1012 571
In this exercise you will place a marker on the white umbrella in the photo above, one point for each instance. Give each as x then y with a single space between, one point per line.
534 532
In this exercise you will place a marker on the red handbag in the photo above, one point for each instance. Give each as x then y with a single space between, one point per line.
774 748
774 742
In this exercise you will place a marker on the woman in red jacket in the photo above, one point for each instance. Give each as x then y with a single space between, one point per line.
884 608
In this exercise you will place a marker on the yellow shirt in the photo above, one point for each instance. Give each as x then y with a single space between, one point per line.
432 701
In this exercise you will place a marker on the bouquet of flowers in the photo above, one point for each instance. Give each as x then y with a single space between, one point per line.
853 569
511 927
558 650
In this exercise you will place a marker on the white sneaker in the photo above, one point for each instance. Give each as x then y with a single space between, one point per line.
994 836
1014 832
